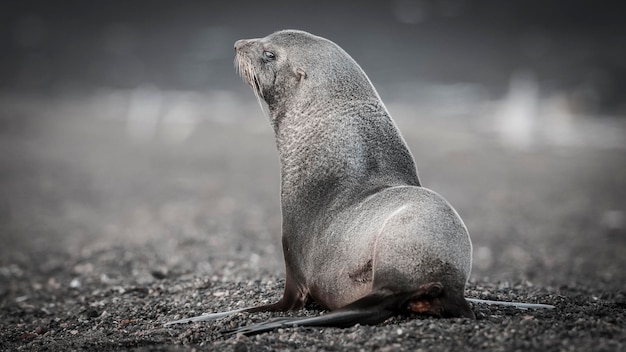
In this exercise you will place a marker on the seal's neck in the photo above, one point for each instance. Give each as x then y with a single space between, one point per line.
332 155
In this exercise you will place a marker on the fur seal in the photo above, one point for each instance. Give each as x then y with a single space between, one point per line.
361 237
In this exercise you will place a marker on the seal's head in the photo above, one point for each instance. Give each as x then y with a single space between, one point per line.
292 64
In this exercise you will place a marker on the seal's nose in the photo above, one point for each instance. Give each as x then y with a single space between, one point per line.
240 43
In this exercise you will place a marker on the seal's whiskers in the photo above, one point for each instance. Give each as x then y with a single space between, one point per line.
246 70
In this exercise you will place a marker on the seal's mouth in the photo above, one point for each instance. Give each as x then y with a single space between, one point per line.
247 71
245 68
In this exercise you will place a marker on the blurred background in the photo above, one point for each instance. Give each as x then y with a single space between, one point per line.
130 147
465 48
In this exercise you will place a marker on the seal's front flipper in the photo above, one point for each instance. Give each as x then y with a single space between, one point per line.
371 309
339 318
204 317
292 299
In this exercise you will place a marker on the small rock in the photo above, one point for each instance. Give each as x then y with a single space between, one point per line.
92 313
241 347
159 274
28 335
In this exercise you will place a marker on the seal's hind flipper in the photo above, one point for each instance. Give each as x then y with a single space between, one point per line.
204 317
339 318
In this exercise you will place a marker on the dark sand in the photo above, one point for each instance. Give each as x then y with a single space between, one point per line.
102 240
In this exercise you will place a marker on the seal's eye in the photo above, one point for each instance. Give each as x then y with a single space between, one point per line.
269 55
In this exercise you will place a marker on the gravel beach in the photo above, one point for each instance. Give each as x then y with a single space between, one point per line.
103 239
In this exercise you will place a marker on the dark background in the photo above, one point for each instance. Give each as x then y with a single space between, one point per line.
139 180
68 46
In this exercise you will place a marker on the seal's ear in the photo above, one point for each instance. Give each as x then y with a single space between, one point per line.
300 74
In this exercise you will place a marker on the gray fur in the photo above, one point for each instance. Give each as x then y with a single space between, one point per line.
361 237
355 219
